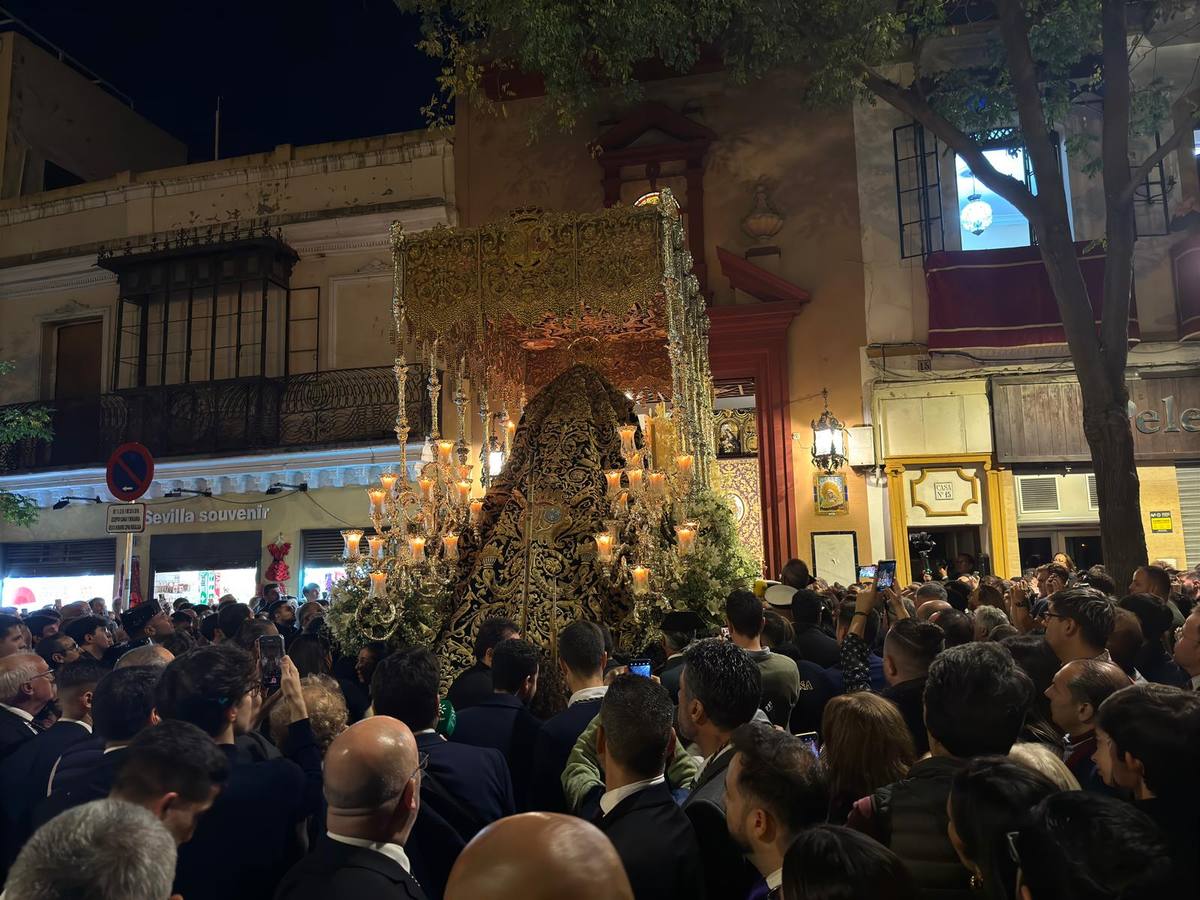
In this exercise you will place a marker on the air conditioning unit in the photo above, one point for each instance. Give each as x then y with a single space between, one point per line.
1038 493
1093 496
861 445
1056 499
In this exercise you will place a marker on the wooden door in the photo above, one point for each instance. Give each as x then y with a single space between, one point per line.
78 360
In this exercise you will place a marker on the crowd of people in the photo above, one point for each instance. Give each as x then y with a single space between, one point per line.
966 737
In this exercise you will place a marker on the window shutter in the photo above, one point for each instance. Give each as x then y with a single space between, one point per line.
41 559
918 191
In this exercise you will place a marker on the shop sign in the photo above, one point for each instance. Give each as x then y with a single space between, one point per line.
1171 421
1161 523
126 518
180 516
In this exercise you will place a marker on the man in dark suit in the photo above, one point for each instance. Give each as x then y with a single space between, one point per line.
263 801
582 659
503 721
774 789
652 835
908 650
812 643
26 686
475 684
468 786
25 774
1075 695
718 692
373 792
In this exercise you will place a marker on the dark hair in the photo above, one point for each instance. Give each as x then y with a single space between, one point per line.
832 862
47 647
1036 659
79 629
230 618
1159 578
807 607
310 654
990 595
553 694
637 716
203 685
779 771
1152 612
976 699
956 626
776 629
39 622
84 672
745 613
725 680
174 757
1090 609
846 616
1159 726
1081 845
1059 570
123 701
251 630
795 574
581 648
491 632
405 687
934 589
209 625
1125 643
1098 578
513 660
988 798
917 643
958 595
7 623
1095 681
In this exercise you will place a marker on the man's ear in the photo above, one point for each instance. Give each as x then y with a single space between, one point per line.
1133 764
487 657
86 700
163 804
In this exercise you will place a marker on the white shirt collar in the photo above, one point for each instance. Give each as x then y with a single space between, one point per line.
775 879
588 693
425 731
712 759
86 726
1196 682
21 714
610 799
393 852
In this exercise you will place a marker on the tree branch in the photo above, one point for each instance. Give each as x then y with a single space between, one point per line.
1143 171
908 101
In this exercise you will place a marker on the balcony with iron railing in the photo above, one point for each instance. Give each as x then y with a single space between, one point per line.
223 418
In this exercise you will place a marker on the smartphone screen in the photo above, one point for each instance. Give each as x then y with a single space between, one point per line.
811 741
270 657
885 573
866 573
640 667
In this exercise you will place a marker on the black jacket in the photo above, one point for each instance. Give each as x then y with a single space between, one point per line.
1180 825
669 677
910 818
337 871
250 837
14 731
81 785
555 741
471 687
657 845
727 875
468 786
502 722
817 646
909 697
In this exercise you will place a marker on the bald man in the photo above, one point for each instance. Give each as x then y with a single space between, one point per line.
539 856
152 655
373 793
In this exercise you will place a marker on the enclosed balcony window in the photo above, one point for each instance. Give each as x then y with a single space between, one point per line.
203 313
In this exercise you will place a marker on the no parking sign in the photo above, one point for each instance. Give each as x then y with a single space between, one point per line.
130 472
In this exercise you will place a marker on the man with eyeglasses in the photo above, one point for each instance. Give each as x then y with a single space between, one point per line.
26 686
1078 624
373 792
1187 648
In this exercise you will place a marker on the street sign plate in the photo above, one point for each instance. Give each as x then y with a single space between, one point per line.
126 518
130 471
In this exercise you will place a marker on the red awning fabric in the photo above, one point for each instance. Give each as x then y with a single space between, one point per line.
1001 299
1186 262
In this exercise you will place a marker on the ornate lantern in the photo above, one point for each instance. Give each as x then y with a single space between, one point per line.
829 440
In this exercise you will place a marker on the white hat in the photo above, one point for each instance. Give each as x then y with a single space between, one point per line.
779 595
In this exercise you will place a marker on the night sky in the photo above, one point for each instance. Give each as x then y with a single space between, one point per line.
287 72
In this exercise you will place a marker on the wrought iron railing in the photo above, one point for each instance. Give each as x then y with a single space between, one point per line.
346 406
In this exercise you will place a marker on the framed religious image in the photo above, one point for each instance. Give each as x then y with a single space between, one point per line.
835 556
829 495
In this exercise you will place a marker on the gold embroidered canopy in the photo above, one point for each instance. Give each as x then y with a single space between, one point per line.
511 305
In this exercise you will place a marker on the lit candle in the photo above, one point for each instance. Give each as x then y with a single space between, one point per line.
656 482
377 496
464 492
684 462
416 548
476 511
621 503
510 431
444 449
604 546
614 483
464 473
352 537
635 479
388 480
627 432
641 579
450 546
378 583
375 542
686 535
426 488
